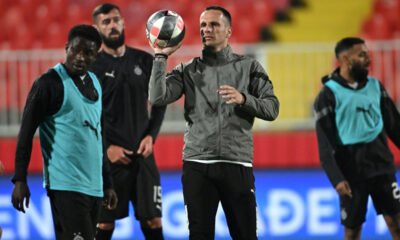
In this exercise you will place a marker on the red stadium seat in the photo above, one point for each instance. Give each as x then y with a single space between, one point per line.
136 34
75 14
264 12
12 19
377 27
22 38
279 5
28 8
192 34
41 19
55 36
385 20
57 9
246 31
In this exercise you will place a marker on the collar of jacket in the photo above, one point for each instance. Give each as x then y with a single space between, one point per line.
335 75
111 56
217 58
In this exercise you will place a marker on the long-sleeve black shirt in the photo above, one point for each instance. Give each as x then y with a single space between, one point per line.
45 99
359 161
125 81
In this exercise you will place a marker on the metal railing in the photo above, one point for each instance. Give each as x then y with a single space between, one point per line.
294 68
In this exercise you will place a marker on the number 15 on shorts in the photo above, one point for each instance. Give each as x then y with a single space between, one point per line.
396 192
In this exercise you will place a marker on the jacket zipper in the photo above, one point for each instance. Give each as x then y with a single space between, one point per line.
219 117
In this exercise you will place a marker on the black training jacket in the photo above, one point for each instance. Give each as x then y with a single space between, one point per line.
125 81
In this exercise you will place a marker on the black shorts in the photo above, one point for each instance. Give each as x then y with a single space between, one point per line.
205 185
385 195
74 214
138 183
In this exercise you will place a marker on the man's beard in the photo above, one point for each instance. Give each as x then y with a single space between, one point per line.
358 72
114 43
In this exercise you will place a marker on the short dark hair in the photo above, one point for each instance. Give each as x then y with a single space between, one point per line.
346 44
85 31
103 9
225 12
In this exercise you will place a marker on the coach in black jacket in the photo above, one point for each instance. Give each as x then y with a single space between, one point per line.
354 114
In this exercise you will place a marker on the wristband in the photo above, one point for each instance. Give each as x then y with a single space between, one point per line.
161 55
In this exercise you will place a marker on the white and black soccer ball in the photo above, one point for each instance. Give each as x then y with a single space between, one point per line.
165 28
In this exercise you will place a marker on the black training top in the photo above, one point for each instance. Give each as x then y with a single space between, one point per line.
125 81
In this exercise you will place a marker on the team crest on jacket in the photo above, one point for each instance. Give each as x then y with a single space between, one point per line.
138 70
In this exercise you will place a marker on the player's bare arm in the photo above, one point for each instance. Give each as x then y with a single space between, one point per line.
231 94
117 154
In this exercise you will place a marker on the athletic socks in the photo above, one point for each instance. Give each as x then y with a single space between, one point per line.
103 234
152 234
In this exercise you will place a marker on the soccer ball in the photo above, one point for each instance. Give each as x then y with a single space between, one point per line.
165 28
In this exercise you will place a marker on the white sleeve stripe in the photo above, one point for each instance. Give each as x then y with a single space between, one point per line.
322 113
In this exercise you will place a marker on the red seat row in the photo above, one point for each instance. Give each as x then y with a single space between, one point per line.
384 22
45 23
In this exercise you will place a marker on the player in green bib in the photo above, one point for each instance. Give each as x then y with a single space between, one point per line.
65 103
354 117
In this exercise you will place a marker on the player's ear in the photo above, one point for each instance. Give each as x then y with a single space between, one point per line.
95 26
344 59
229 32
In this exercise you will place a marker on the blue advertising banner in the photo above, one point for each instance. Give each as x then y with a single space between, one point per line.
292 204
